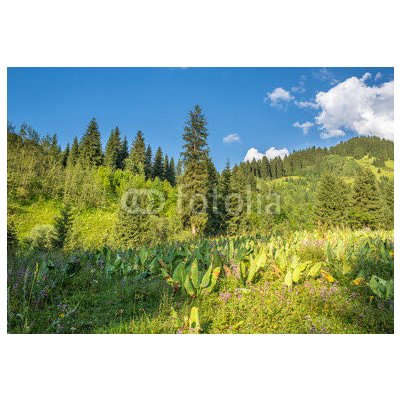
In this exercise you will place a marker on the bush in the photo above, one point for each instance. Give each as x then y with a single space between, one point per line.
42 237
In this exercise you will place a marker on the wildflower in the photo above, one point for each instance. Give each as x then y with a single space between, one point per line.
225 296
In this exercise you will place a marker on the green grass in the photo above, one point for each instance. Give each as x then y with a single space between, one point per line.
94 301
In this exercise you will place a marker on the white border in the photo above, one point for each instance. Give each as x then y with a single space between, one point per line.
195 33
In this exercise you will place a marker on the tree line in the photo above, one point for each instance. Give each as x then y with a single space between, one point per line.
199 199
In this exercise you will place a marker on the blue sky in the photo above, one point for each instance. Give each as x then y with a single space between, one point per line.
257 106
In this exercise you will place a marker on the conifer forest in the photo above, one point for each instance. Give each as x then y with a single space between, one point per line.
121 237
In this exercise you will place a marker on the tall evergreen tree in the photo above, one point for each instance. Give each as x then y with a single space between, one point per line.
213 216
148 163
113 150
265 168
366 210
123 153
332 201
65 155
132 228
137 156
172 172
62 226
158 166
166 168
194 180
90 152
74 153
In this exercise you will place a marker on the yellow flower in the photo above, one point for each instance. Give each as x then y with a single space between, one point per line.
61 315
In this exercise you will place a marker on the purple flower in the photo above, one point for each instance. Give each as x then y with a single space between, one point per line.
225 296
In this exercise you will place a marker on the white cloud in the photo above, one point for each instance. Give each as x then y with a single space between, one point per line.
300 88
279 96
352 105
366 76
271 153
305 126
325 75
332 133
306 104
378 76
231 138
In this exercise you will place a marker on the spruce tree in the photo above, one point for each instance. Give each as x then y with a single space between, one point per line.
148 163
65 155
166 168
265 168
172 172
74 152
113 150
123 153
62 226
367 210
90 152
332 201
137 156
158 166
194 181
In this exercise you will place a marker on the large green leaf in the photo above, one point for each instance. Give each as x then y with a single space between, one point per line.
194 274
179 274
288 278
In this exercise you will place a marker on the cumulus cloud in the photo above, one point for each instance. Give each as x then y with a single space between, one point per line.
305 126
306 104
378 76
353 105
231 138
279 96
271 153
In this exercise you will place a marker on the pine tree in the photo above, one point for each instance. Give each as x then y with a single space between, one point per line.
194 181
74 153
137 156
367 207
65 155
265 168
113 150
172 172
123 153
332 201
148 163
166 175
90 152
158 167
62 226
